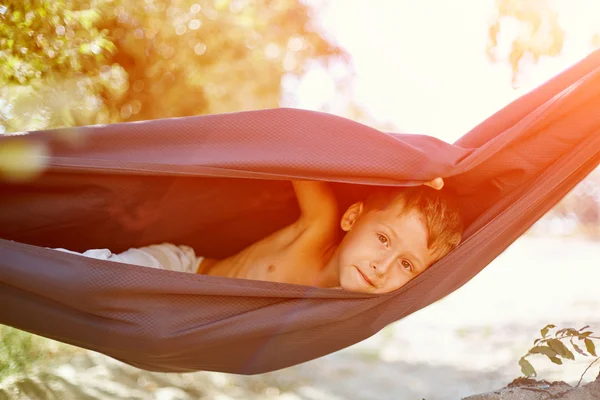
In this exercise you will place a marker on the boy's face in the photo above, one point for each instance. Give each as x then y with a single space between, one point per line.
382 249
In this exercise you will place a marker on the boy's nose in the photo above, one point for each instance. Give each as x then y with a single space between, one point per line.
380 268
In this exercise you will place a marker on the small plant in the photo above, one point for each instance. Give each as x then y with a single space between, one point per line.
553 346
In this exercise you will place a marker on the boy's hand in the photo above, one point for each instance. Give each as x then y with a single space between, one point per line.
436 183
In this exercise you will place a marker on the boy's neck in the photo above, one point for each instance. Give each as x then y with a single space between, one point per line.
329 274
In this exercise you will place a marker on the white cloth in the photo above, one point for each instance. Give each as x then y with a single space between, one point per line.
161 256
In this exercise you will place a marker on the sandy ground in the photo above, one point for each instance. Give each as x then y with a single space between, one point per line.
465 344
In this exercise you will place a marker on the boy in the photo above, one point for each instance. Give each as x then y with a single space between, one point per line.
391 237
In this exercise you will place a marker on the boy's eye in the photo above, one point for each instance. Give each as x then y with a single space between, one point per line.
382 238
406 265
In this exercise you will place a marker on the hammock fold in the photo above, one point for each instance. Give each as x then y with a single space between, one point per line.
221 182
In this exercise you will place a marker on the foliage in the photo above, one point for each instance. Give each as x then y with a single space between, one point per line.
20 351
581 208
539 31
17 351
210 56
76 62
583 201
38 36
538 34
51 53
553 346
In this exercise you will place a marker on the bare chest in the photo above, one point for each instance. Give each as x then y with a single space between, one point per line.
290 264
281 257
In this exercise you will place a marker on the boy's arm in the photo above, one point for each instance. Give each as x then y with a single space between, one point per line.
317 202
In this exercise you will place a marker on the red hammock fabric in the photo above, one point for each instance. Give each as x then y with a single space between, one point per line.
219 182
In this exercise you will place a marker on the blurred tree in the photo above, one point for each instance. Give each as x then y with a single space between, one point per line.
50 54
582 205
536 32
521 32
192 57
38 37
76 62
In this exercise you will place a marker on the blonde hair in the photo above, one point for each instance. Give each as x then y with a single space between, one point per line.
440 213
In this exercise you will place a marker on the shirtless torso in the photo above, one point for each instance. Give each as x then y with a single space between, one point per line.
298 253
362 249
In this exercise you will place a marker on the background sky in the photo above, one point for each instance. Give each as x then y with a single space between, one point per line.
422 66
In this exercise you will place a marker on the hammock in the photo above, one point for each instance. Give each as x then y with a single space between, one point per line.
221 182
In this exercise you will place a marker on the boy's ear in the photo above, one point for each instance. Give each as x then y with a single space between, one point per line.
351 215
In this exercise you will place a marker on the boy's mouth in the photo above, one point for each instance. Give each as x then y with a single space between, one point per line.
367 280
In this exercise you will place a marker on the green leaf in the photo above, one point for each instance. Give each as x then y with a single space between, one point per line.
221 5
572 332
561 349
556 360
87 18
107 45
578 349
586 334
543 350
545 329
567 332
526 368
85 48
591 348
16 16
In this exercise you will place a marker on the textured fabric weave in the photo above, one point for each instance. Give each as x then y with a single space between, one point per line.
220 182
